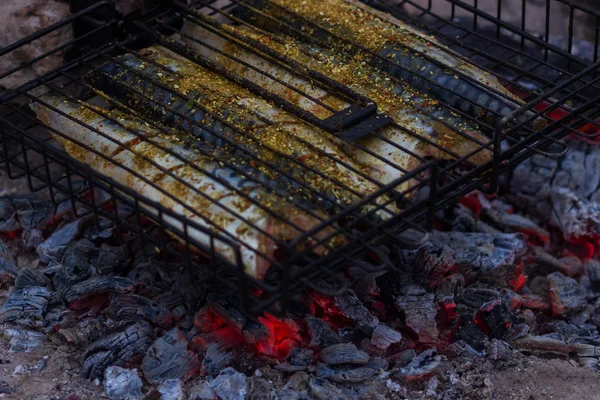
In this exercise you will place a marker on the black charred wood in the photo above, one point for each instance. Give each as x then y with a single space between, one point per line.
110 258
471 334
592 271
420 313
321 334
53 249
420 367
8 217
384 336
344 353
8 266
28 303
131 307
169 358
97 285
119 348
352 374
566 296
32 238
69 275
215 359
31 277
352 308
498 319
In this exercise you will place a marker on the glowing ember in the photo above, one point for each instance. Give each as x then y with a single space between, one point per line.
282 336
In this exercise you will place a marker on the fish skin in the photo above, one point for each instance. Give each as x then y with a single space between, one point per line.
244 111
396 42
208 213
406 106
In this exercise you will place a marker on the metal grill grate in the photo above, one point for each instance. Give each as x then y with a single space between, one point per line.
120 79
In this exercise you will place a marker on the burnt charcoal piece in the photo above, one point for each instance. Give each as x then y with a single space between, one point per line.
352 308
24 341
119 348
97 285
215 359
121 383
470 333
8 217
352 374
465 221
103 230
497 319
321 334
420 312
28 303
261 389
31 277
32 212
110 258
230 384
169 358
53 249
384 336
563 191
297 360
344 353
322 389
565 294
592 271
435 265
476 297
477 250
171 389
8 266
422 366
131 307
78 253
567 265
510 222
69 275
32 238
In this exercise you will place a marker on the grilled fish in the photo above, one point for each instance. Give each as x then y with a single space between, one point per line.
390 153
190 184
394 47
218 106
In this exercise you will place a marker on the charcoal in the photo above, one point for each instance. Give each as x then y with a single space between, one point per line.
435 265
32 238
230 384
297 382
384 336
260 389
344 353
465 221
403 358
119 348
321 334
420 313
103 230
27 303
570 266
566 296
31 277
97 285
476 297
592 271
322 389
67 276
423 365
512 222
109 258
498 319
8 266
498 350
53 249
471 334
352 308
476 250
550 344
171 389
8 217
202 392
33 213
122 384
24 341
215 359
345 374
78 254
300 357
169 358
131 307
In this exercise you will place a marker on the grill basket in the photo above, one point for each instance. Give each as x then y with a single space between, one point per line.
557 84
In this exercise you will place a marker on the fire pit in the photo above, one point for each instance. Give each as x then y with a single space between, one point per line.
131 299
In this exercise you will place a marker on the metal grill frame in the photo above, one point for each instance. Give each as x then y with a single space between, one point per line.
236 283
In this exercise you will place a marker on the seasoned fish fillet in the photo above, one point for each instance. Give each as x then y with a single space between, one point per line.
270 131
209 194
391 41
390 153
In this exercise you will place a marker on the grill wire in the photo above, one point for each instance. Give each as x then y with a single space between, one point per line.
420 191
